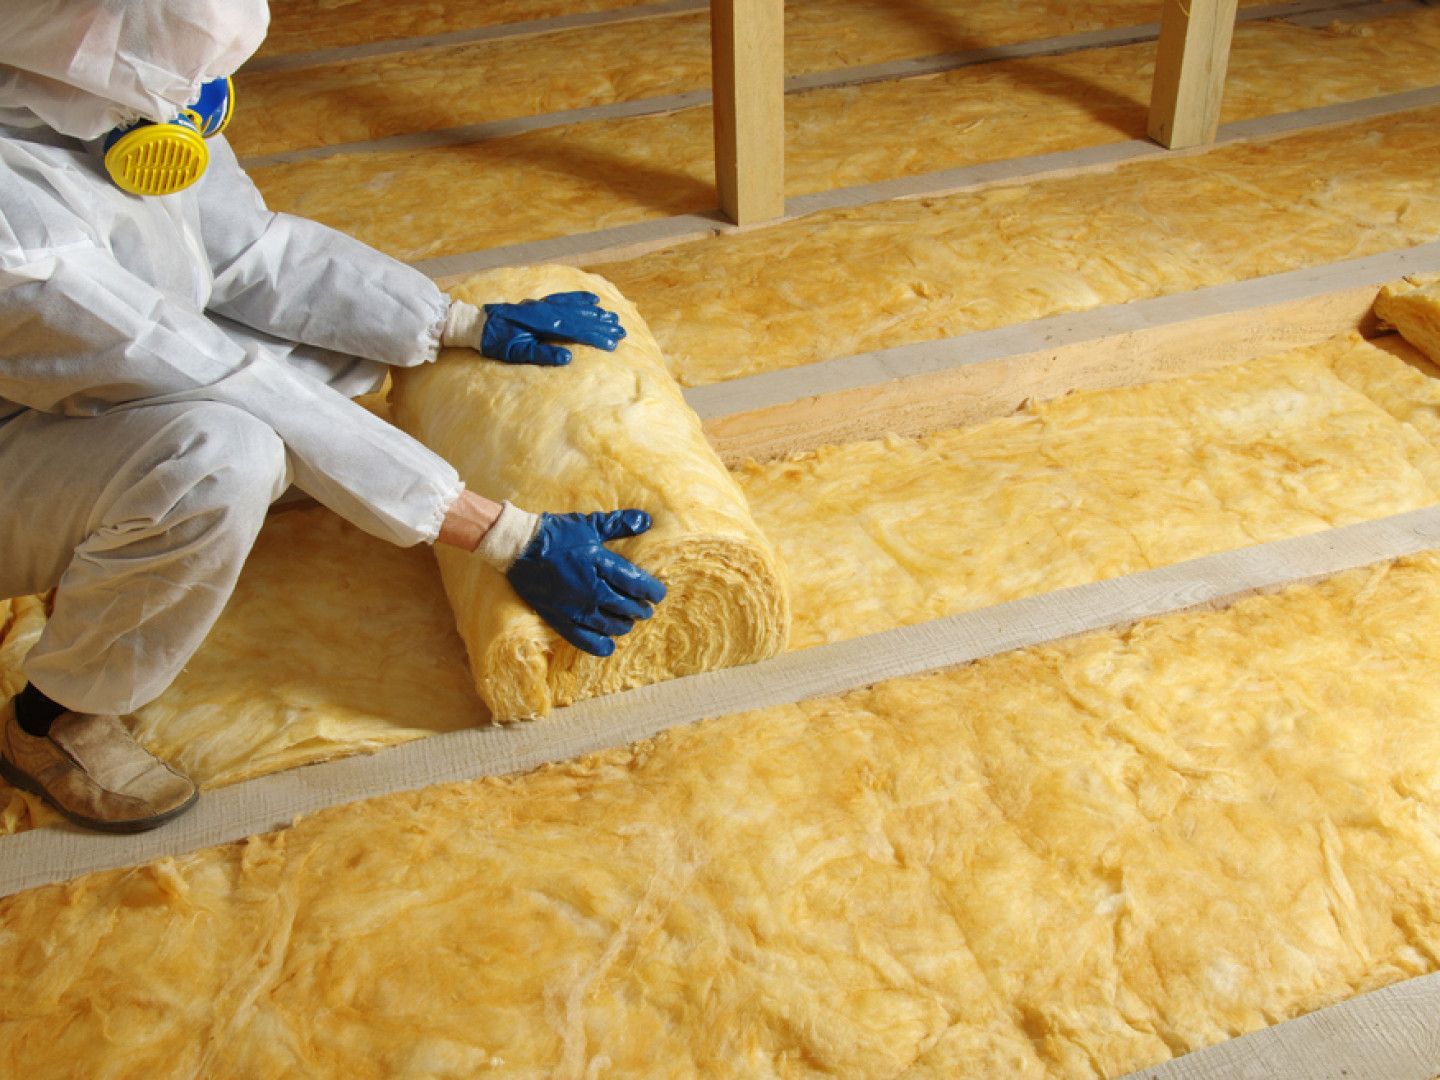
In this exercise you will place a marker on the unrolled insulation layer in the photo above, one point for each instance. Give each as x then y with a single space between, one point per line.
1074 860
298 26
608 431
937 26
1096 485
583 177
968 873
335 642
436 88
874 277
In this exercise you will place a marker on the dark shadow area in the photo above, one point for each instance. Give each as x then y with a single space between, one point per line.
944 25
548 152
651 187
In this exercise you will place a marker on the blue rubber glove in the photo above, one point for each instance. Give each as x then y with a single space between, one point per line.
513 332
585 591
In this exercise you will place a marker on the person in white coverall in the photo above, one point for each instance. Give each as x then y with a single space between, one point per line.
171 363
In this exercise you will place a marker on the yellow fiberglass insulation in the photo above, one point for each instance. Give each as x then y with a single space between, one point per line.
586 176
21 621
605 432
1094 485
299 26
1412 306
1071 861
848 281
826 33
335 642
435 88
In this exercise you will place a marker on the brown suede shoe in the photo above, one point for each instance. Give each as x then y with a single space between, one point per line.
92 770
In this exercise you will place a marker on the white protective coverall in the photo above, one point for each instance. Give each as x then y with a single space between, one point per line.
169 365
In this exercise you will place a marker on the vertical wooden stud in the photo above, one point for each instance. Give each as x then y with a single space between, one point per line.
1190 62
747 43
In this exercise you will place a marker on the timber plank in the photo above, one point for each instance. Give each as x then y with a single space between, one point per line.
917 389
1192 55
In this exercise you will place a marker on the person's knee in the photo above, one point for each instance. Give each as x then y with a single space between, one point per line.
226 458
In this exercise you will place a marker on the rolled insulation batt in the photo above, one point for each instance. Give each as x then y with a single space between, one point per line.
1412 306
609 430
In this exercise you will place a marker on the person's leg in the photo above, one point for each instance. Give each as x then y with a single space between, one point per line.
34 712
141 519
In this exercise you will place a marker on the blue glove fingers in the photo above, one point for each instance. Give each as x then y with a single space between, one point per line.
604 342
585 324
522 347
613 602
618 524
549 355
585 305
597 333
627 579
631 583
568 306
584 640
605 622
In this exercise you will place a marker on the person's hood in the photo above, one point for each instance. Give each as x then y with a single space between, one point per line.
83 67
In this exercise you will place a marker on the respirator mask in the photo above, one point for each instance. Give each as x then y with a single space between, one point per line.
148 158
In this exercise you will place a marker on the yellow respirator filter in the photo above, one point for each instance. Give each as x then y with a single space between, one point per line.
161 159
157 159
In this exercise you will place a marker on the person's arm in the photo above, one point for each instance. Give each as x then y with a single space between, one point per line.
81 335
306 282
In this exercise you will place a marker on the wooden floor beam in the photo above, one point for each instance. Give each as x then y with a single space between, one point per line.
930 386
1389 1034
47 855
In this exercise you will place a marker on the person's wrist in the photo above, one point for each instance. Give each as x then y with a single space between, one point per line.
467 521
513 531
464 325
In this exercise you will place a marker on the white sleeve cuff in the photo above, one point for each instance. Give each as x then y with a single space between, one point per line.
464 323
508 537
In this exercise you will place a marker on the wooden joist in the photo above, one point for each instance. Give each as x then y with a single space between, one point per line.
916 389
748 62
1389 1034
251 807
1122 345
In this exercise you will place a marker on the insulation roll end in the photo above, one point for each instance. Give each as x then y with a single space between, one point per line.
611 430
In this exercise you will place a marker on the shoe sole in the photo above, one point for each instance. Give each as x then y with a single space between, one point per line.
24 782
